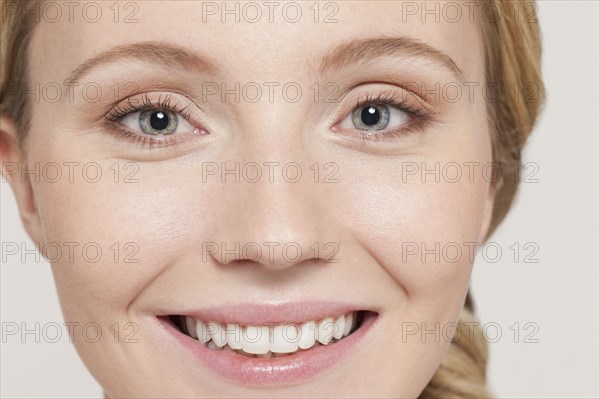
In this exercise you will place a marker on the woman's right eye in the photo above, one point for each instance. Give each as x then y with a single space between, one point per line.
156 119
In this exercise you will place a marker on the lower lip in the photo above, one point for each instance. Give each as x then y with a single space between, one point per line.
297 367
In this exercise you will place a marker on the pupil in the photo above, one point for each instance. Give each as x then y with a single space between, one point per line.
370 116
159 120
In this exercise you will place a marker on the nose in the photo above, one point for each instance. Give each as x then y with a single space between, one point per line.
276 221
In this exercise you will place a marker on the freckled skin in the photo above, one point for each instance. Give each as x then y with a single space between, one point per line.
371 210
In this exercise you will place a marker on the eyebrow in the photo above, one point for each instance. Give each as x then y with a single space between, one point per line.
364 50
345 54
152 52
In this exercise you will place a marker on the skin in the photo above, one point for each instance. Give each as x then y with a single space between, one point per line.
370 211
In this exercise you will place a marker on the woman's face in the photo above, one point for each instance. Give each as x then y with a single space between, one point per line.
226 173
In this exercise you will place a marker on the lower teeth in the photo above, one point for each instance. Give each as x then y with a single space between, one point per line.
211 345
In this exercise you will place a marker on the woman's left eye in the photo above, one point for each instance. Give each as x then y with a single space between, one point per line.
156 122
375 117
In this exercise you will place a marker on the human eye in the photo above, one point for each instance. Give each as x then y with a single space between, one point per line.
385 116
153 120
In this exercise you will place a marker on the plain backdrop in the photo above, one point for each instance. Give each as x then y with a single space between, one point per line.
541 318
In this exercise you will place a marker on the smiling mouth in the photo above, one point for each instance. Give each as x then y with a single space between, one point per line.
270 340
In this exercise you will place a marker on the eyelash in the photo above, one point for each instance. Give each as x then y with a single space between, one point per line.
122 110
420 118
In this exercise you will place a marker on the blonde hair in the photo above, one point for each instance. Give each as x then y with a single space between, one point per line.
513 63
18 21
513 51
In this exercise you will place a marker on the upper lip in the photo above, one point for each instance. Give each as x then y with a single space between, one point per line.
279 313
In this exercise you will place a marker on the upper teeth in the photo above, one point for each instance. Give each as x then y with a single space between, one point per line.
270 339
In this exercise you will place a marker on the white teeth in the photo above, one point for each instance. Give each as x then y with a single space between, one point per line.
339 327
307 334
348 323
270 341
234 336
216 333
212 345
325 331
202 332
256 339
284 338
190 324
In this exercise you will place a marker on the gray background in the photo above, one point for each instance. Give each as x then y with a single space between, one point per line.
557 296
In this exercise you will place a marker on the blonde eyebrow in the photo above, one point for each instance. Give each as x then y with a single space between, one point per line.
152 52
364 50
348 53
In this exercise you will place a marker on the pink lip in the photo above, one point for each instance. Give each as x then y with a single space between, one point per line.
293 368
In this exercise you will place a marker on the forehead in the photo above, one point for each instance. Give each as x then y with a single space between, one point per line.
250 40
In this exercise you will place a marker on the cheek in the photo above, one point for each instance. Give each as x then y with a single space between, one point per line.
421 227
119 225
